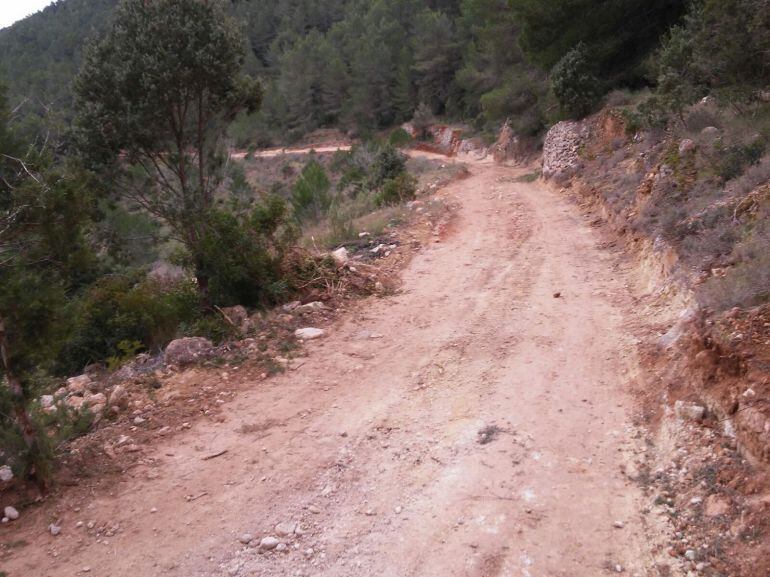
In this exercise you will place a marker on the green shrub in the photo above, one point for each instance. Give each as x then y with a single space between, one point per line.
127 350
402 188
310 195
388 164
353 180
574 83
341 223
51 430
119 309
736 158
241 254
399 138
212 326
422 121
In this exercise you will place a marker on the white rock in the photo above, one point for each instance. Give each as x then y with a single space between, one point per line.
5 473
46 401
285 529
311 307
11 513
618 524
691 411
54 529
123 440
246 538
309 333
340 256
119 397
690 554
268 543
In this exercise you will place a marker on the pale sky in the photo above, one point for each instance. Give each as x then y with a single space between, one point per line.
13 10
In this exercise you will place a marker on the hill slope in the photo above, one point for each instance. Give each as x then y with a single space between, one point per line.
41 54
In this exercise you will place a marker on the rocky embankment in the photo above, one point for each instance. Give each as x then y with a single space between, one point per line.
706 386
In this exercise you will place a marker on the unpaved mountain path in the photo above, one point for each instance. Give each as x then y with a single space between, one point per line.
375 444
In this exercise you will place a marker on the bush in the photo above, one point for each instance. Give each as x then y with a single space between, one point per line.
736 158
51 429
212 326
402 188
700 118
119 309
310 196
399 138
574 83
520 100
241 254
422 121
388 164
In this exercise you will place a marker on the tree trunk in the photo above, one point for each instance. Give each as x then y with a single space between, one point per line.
23 420
203 289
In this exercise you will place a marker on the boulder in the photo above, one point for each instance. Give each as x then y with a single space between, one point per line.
508 146
118 397
309 333
689 411
77 385
97 399
311 307
75 402
188 350
340 256
686 146
561 149
6 474
238 316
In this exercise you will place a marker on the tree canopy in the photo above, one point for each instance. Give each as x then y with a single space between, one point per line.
155 96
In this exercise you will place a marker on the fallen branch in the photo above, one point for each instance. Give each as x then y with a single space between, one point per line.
215 455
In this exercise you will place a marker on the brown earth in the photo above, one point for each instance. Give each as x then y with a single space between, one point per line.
477 423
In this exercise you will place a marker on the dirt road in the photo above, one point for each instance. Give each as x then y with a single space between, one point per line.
472 425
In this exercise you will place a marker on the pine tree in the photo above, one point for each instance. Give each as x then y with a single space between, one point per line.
156 95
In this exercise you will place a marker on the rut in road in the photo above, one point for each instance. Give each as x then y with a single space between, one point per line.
472 425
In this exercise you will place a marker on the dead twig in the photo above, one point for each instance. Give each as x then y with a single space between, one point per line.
190 498
215 455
